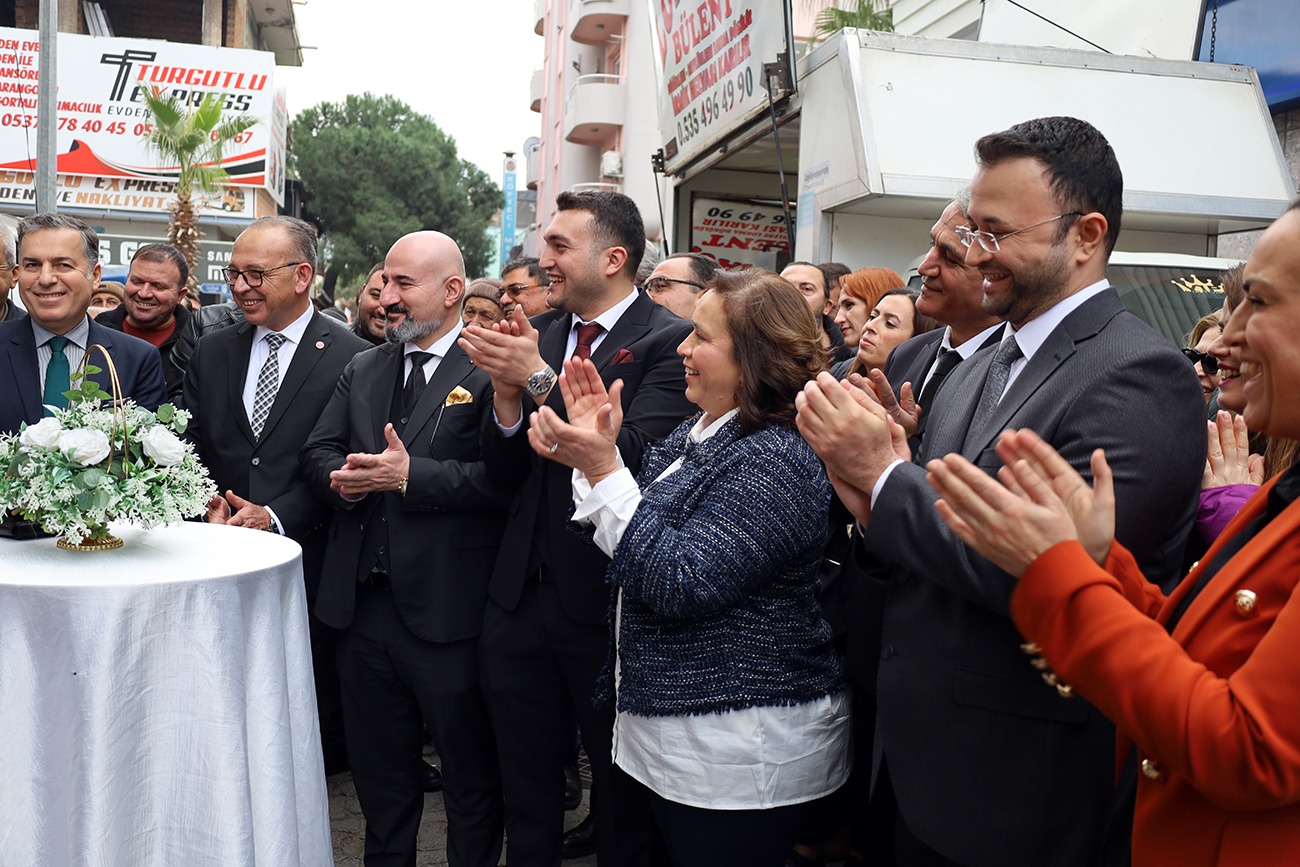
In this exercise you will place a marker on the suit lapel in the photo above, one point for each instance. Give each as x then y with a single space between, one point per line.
1240 567
388 373
628 329
453 369
1051 355
21 351
237 371
315 343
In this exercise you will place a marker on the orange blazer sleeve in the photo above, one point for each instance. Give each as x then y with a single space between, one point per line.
1222 711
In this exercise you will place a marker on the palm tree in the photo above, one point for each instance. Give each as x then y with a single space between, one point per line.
863 15
193 141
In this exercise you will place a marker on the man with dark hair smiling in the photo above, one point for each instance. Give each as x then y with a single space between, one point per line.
989 765
57 273
545 636
370 316
152 308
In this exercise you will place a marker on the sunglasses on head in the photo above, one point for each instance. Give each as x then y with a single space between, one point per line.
1208 362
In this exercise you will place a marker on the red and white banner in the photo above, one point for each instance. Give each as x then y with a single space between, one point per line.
739 233
103 121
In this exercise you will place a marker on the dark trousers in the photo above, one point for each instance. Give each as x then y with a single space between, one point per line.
539 671
393 684
329 700
698 837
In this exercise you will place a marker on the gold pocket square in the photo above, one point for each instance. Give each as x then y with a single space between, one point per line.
458 395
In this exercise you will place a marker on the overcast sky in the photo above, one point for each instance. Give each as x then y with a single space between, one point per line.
468 65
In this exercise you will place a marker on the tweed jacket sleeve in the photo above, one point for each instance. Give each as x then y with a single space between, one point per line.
740 513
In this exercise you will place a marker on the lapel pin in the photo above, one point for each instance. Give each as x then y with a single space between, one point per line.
320 344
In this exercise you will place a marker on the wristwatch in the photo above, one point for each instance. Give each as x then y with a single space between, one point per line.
540 382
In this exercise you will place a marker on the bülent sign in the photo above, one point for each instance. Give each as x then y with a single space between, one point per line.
103 121
711 55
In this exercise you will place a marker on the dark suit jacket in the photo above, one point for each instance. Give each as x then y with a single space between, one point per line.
115 320
444 534
138 370
654 402
989 765
13 311
910 361
266 471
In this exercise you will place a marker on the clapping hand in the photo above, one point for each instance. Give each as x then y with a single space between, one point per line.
902 408
588 440
1040 502
1228 460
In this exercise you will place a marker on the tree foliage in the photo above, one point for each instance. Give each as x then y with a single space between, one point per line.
375 169
861 14
194 141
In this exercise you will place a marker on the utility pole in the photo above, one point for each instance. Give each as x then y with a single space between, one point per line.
47 121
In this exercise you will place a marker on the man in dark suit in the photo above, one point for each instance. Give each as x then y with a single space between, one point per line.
255 391
951 294
545 634
415 531
57 272
9 256
153 306
990 766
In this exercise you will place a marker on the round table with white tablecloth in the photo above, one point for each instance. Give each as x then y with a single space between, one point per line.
157 705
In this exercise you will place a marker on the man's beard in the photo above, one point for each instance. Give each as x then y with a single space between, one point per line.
1036 287
409 330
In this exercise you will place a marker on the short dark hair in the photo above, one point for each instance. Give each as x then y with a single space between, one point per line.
826 283
41 222
702 266
833 271
1081 166
164 253
301 234
615 219
534 270
775 340
378 266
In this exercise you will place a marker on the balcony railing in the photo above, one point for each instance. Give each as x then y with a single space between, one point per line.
596 187
535 91
539 16
594 108
595 21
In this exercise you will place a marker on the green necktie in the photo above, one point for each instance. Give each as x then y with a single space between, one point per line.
57 375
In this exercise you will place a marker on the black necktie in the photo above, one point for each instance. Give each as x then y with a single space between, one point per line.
415 382
948 359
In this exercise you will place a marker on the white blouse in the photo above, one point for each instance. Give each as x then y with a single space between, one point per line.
754 758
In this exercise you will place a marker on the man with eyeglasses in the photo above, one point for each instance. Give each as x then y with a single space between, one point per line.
524 282
677 281
989 765
255 390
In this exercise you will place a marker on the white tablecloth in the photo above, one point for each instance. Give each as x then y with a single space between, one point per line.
156 704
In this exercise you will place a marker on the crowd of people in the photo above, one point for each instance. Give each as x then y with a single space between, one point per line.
816 567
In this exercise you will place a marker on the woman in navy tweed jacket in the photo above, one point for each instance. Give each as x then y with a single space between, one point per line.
731 703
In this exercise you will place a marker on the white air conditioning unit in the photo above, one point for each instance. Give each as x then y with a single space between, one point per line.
611 164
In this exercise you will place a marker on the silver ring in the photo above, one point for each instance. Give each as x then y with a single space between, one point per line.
555 448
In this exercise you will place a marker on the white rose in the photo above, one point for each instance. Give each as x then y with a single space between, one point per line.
83 446
163 446
44 434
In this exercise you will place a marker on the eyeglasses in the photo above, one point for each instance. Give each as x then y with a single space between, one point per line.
655 285
517 288
253 276
1208 362
989 240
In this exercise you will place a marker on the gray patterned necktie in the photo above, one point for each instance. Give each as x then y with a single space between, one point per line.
268 383
999 372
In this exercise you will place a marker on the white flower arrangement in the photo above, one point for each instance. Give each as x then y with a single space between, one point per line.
87 465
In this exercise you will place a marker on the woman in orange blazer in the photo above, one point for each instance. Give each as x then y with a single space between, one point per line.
1203 686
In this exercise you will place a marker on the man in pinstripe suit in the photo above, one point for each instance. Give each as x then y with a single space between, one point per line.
990 766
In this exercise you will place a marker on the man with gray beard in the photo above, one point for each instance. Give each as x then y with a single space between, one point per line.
414 535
